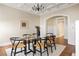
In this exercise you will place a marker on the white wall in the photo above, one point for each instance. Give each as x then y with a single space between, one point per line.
77 36
60 27
42 27
50 26
73 14
55 25
65 27
10 23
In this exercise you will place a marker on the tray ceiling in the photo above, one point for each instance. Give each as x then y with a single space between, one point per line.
27 7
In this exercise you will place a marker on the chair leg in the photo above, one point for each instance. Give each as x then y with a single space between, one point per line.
40 51
33 49
25 51
55 46
15 52
47 52
33 53
54 43
21 49
51 49
11 51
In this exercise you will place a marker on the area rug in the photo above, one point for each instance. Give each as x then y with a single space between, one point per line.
57 52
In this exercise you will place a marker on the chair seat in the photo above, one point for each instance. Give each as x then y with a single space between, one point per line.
19 46
49 41
41 45
18 42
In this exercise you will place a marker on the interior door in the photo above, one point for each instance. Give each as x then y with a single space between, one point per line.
60 31
60 26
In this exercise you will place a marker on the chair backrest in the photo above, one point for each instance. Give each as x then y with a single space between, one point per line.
49 34
13 39
26 36
34 35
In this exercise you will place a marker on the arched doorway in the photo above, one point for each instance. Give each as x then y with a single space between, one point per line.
58 26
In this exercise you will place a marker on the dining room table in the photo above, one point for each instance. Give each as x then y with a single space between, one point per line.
29 43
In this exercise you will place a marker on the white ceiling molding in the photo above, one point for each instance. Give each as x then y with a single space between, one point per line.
58 7
27 7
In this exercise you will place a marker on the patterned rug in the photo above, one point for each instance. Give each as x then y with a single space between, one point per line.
57 52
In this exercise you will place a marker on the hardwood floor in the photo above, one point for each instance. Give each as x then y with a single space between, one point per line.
2 51
67 51
69 48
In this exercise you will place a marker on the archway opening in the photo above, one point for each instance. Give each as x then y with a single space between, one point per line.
58 26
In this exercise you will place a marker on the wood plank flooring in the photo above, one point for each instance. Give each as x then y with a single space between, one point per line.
67 51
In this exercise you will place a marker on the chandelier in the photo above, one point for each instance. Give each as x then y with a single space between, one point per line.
38 7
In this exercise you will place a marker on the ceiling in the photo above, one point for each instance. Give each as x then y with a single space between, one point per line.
27 7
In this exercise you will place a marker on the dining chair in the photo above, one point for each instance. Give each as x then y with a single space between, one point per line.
17 43
29 40
40 45
51 42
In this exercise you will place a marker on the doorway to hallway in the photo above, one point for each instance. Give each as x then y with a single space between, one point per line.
56 25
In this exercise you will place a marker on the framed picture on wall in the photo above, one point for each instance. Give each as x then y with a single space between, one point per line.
24 24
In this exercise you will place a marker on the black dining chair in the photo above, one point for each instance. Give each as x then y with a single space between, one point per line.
40 45
51 42
29 38
17 43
